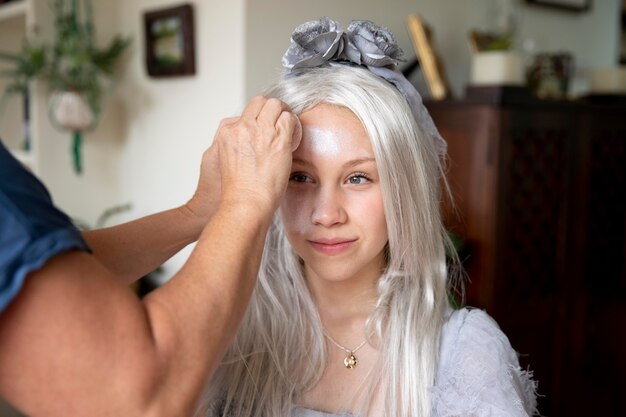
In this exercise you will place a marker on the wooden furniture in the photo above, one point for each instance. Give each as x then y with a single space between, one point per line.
539 189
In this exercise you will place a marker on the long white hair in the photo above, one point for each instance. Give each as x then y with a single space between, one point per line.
279 351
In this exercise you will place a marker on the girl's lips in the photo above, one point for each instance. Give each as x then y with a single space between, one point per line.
332 247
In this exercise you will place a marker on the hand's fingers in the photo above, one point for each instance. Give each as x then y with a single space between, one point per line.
225 123
296 137
271 111
222 133
228 121
212 154
289 129
253 108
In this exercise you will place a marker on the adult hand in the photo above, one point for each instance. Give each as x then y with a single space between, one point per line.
208 193
255 153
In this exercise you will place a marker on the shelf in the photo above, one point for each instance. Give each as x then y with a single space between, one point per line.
13 9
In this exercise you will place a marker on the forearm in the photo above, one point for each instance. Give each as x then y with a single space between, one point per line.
205 302
134 249
75 328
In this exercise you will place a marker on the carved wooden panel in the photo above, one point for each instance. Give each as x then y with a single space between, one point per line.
604 268
533 210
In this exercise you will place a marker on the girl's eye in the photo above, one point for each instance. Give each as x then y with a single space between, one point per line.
299 177
358 179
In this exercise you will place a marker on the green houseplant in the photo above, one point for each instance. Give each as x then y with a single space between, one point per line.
76 71
26 66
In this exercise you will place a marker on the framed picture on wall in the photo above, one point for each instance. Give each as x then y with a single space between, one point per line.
571 5
169 41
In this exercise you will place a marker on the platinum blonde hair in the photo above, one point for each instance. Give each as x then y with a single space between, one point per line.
279 351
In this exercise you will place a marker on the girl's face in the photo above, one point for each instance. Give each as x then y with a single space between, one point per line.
333 208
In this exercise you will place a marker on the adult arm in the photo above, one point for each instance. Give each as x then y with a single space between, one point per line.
78 342
134 249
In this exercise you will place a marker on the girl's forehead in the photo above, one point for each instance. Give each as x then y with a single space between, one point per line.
331 129
320 140
333 142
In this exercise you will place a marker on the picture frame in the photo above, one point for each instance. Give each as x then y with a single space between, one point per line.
569 5
169 41
428 59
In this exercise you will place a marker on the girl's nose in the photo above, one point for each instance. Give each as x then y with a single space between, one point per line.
328 208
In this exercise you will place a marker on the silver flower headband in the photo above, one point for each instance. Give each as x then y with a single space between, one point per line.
319 41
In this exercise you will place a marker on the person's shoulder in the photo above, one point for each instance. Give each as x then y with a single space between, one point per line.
471 332
471 324
32 229
479 368
469 316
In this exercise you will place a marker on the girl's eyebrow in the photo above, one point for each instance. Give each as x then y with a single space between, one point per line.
302 161
359 161
348 164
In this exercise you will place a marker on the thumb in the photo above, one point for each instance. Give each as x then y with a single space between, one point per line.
296 136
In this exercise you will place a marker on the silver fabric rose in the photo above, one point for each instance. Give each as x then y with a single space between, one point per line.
313 43
371 45
316 42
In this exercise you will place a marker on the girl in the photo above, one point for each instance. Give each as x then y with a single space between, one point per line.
350 315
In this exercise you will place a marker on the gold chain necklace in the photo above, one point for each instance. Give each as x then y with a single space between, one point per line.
350 361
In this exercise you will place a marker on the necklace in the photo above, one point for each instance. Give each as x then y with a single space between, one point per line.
350 361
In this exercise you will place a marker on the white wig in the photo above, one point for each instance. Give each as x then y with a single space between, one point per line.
279 351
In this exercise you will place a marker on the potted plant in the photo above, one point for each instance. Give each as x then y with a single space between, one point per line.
494 62
494 59
76 70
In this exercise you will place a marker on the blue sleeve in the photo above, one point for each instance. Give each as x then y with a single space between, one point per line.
32 229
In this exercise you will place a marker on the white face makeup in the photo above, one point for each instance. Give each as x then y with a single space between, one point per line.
333 209
322 141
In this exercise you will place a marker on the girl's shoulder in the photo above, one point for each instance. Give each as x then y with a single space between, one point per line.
467 325
478 371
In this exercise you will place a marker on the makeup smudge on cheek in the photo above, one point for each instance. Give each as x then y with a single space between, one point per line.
293 213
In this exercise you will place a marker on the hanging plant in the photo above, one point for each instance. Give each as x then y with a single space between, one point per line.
76 70
27 65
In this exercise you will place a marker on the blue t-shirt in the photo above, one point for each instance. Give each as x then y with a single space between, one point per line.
32 229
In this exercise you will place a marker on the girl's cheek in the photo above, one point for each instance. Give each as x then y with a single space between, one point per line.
294 211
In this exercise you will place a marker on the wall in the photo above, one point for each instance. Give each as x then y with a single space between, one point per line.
84 196
169 122
592 36
147 148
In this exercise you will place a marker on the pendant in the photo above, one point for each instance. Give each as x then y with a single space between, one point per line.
350 361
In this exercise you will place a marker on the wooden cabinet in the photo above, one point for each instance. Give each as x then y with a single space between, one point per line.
539 189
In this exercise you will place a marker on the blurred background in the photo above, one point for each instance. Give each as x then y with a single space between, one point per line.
530 95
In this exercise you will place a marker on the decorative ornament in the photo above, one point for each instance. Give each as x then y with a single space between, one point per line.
350 361
319 42
69 111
